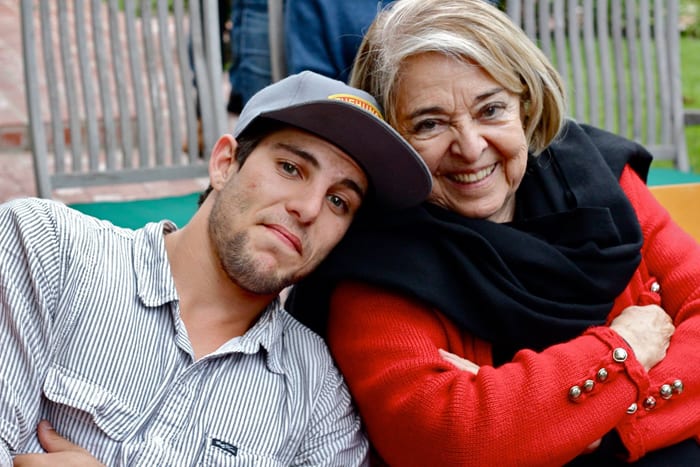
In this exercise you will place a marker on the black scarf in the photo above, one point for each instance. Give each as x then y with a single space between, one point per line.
539 280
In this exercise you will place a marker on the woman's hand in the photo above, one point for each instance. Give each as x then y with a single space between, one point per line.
459 362
59 451
648 330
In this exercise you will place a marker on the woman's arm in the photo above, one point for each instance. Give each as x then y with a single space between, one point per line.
421 410
672 258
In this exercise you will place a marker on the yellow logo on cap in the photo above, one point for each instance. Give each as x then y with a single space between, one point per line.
359 102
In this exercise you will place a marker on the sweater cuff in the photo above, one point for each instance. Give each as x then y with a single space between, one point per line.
639 377
622 358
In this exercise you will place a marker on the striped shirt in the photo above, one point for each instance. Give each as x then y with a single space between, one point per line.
91 340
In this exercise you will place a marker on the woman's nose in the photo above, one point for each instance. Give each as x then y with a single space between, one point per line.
468 142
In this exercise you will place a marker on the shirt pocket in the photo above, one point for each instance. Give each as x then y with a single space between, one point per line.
85 403
218 452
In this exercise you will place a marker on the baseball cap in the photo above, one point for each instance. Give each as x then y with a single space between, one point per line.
350 119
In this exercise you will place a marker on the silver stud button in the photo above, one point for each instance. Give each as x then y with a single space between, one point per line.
666 391
588 385
632 408
602 374
619 355
655 287
678 386
574 393
650 403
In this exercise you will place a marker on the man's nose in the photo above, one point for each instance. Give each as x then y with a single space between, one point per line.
306 204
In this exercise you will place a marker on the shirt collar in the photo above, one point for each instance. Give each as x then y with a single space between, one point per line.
154 280
265 335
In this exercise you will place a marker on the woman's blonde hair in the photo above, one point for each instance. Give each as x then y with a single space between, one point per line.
468 30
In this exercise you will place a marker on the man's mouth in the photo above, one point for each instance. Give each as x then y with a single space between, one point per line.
287 236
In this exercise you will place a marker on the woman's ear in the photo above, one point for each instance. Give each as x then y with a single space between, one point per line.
222 162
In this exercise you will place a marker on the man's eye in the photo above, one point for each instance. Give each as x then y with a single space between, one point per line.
338 202
289 168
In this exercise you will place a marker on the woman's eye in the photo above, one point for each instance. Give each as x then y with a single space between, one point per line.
427 129
492 110
425 126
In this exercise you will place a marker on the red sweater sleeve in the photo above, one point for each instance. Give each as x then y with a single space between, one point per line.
420 410
672 258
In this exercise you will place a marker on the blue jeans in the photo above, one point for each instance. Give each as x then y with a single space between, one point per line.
250 48
324 35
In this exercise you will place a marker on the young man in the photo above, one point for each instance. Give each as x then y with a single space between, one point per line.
170 347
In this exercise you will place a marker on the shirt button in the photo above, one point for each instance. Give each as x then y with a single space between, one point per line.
632 408
655 287
619 355
588 385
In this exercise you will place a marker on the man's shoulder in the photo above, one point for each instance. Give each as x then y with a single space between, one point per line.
33 207
299 333
48 224
306 361
34 218
302 344
40 210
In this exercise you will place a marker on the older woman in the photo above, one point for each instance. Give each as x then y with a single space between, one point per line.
542 308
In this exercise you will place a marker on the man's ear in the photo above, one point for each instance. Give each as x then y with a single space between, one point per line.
222 162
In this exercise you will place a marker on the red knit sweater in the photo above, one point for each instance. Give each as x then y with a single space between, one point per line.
420 410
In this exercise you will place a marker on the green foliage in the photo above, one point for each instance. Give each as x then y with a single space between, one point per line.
690 18
690 76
